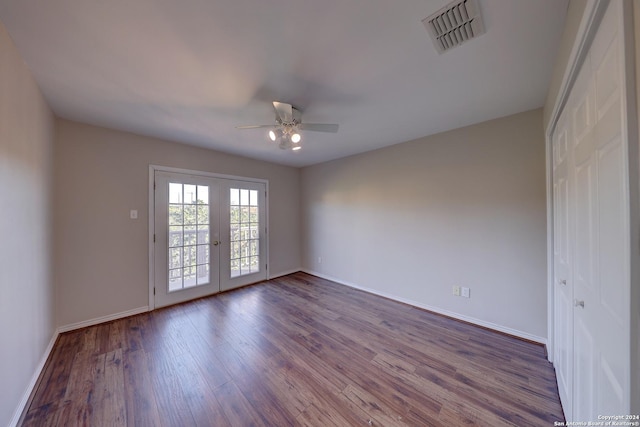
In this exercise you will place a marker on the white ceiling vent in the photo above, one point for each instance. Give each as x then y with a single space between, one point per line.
454 24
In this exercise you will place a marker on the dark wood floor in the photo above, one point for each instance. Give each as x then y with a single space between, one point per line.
297 350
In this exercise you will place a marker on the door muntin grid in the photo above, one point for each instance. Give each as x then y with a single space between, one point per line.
189 235
244 229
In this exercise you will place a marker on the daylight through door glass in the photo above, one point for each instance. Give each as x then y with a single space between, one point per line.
244 228
189 235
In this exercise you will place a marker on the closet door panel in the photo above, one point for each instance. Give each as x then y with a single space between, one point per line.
600 230
563 312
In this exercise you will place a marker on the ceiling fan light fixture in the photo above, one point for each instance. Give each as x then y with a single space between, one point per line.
286 131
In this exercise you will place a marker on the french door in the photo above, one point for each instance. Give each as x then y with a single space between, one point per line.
209 235
243 227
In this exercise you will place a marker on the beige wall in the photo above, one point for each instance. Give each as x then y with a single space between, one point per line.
465 207
26 294
101 256
572 22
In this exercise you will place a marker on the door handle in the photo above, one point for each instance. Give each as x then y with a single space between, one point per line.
216 243
563 282
577 303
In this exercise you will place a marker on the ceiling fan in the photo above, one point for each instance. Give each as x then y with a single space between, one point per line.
286 130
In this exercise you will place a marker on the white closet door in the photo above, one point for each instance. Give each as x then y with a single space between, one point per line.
592 317
601 271
563 283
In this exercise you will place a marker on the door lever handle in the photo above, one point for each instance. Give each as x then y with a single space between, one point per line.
563 282
216 242
577 303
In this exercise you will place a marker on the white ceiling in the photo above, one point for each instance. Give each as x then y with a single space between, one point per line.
192 70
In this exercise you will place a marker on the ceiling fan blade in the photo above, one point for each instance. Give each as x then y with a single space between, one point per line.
255 126
319 127
284 112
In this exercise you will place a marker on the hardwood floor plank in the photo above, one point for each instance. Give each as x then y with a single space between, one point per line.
116 336
456 414
43 416
296 350
312 416
236 408
78 405
142 407
90 342
317 372
55 377
374 407
256 389
392 362
171 401
111 407
197 392
132 333
378 383
309 324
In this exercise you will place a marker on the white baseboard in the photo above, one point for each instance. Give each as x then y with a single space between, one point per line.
32 383
520 334
98 320
284 273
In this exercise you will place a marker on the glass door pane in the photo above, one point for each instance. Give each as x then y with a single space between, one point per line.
243 224
244 216
189 254
186 231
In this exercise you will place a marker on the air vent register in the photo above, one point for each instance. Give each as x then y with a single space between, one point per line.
454 24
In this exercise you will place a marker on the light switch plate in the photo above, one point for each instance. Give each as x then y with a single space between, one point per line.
133 214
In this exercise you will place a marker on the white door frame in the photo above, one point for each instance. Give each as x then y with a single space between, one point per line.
158 168
589 25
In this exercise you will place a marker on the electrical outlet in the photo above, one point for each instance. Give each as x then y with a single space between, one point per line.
319 260
465 292
456 291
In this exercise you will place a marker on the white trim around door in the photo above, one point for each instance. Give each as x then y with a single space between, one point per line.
239 182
